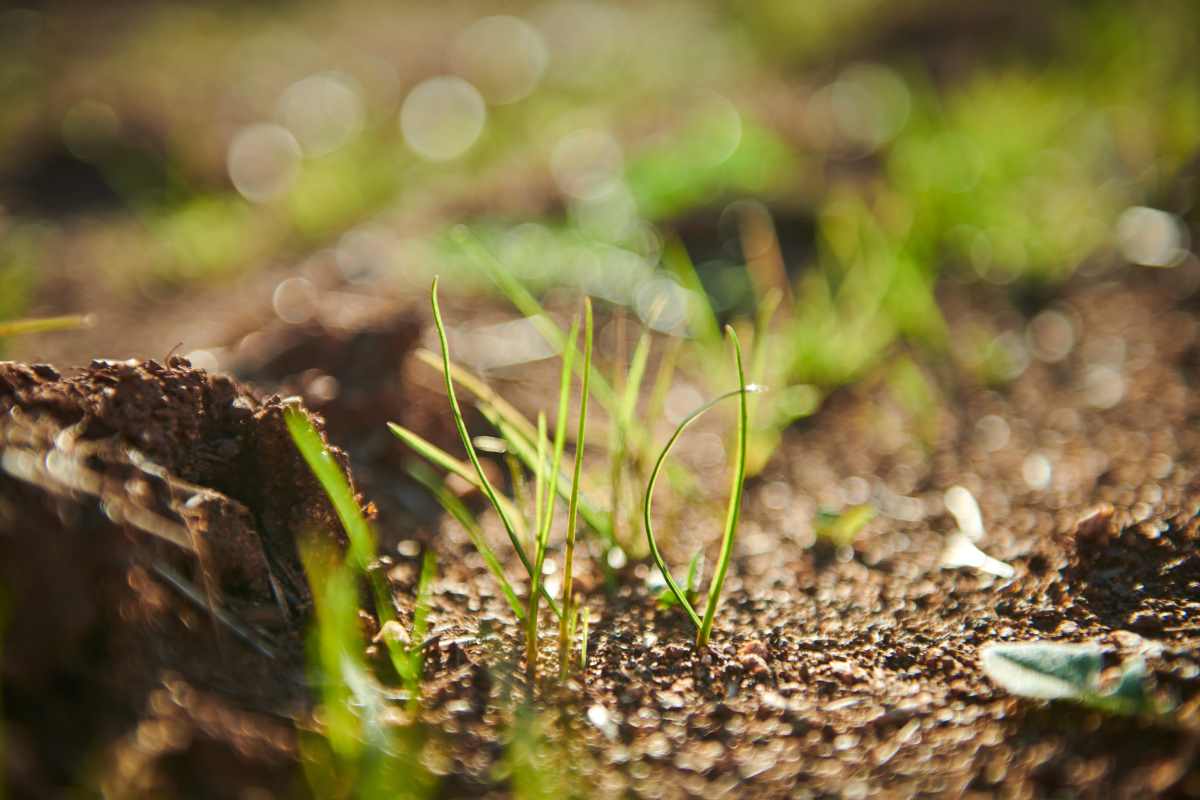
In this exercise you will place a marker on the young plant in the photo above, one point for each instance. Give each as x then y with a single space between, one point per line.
547 514
503 508
1054 671
704 625
362 539
567 620
358 750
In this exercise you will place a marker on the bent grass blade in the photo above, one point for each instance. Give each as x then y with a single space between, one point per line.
457 509
704 626
735 498
503 510
362 539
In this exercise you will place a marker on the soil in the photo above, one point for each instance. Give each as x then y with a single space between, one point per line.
123 485
847 672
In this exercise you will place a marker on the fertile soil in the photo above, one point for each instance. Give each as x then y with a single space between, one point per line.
850 672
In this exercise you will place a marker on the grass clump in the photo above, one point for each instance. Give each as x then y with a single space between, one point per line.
530 446
361 746
567 621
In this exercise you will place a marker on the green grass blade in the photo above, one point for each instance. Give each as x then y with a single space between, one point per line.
524 301
539 478
457 509
566 620
476 386
560 440
735 499
333 481
443 460
505 517
420 626
22 327
362 539
583 640
539 550
594 518
648 499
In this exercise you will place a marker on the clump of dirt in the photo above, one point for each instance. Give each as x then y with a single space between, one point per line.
134 496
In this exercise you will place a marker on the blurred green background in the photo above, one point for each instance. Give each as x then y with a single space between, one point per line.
851 154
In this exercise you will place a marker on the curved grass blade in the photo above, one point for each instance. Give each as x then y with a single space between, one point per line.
647 501
703 628
735 498
506 518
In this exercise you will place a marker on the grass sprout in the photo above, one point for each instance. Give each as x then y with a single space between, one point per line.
357 749
504 509
546 515
358 530
567 620
704 625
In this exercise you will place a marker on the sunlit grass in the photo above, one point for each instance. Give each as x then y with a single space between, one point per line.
704 625
361 556
23 327
566 627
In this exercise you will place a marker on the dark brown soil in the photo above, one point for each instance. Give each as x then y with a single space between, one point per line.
832 673
121 484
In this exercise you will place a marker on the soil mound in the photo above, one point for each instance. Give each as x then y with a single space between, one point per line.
134 498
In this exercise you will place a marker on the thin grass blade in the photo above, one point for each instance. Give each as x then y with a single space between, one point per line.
443 460
735 498
457 509
501 510
567 619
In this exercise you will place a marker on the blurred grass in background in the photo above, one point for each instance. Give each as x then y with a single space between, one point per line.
595 145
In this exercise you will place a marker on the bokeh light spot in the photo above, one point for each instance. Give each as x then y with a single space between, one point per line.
1151 238
263 160
442 118
505 57
322 111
